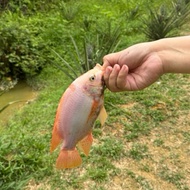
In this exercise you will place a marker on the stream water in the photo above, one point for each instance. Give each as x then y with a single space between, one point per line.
15 99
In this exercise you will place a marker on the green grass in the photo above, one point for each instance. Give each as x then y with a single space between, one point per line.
143 145
138 151
131 133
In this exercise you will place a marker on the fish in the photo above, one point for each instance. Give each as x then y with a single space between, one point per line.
80 106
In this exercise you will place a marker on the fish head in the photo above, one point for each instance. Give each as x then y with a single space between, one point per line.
92 81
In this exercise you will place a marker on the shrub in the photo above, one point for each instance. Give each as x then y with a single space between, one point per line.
27 6
21 49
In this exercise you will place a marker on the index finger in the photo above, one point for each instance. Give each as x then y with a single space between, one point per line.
110 60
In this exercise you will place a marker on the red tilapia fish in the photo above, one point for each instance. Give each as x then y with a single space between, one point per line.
81 104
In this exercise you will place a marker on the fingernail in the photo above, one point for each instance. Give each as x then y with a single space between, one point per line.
123 68
116 67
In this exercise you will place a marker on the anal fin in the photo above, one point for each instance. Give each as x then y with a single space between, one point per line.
86 143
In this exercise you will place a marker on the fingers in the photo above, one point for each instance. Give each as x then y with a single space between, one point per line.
110 59
109 77
115 78
115 72
121 78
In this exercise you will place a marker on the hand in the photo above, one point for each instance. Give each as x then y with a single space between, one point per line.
134 68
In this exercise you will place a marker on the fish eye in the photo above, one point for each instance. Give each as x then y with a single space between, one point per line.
92 78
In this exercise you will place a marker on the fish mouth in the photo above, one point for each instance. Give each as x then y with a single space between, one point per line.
103 83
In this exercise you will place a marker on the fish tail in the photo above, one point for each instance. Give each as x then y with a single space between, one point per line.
86 143
68 159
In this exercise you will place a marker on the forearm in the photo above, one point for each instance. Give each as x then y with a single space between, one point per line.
174 53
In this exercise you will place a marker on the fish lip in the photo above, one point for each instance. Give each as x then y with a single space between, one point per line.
103 83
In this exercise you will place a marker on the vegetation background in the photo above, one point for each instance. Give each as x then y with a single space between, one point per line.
145 143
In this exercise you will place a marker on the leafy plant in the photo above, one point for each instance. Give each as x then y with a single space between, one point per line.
68 11
94 48
27 7
20 52
110 148
140 180
165 21
174 177
158 142
133 130
138 151
17 161
3 4
105 41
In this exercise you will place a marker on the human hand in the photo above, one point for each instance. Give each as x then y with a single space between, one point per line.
134 68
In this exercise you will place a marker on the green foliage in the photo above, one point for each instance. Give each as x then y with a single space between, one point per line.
68 11
95 46
186 136
98 174
24 145
102 170
158 142
105 41
18 162
110 148
3 4
140 180
174 177
21 51
165 21
132 130
26 6
138 151
98 27
28 34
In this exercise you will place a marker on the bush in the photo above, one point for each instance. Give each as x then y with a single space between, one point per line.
27 6
21 50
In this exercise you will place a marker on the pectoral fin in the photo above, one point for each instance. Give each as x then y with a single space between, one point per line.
56 136
56 139
102 115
